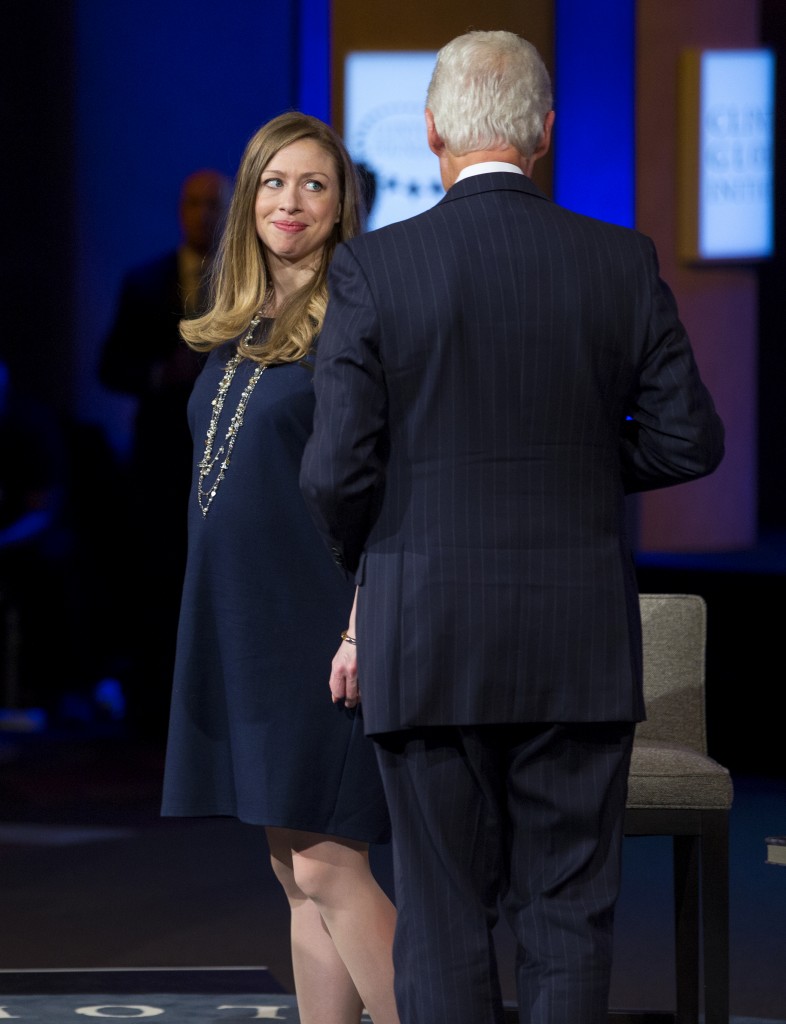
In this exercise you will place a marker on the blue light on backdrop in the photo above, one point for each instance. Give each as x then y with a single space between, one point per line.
594 143
314 53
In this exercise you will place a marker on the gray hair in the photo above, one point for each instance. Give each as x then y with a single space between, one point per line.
489 89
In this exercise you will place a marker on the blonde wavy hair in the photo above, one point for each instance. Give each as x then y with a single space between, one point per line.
239 279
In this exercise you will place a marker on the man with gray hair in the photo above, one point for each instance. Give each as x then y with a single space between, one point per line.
492 378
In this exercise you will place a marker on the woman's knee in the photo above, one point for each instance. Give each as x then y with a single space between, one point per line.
286 878
315 878
280 847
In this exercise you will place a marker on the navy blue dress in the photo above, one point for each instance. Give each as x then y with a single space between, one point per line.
253 732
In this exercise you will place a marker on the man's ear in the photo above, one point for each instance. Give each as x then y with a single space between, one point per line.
435 143
545 140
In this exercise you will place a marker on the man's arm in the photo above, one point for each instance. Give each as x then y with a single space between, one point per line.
673 433
343 470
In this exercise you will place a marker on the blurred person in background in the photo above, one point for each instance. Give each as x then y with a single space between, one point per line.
145 357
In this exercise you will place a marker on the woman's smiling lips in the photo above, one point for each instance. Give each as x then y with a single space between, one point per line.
290 226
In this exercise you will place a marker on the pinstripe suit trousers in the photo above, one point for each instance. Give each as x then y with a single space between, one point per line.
526 818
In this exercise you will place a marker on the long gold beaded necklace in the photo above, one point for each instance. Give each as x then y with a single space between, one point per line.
206 491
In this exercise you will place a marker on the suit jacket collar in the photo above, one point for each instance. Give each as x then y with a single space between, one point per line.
496 181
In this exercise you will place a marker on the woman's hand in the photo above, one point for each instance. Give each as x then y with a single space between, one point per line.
344 667
344 675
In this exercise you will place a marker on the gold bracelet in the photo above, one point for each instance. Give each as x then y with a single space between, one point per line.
349 639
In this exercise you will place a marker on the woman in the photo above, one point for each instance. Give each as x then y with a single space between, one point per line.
252 731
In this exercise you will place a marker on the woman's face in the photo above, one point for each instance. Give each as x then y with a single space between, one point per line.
298 202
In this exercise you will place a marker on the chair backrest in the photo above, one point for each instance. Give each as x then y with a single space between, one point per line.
674 628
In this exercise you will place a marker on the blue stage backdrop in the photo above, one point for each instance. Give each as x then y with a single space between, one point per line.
594 98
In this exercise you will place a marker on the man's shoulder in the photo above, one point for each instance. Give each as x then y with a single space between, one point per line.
518 192
401 228
599 227
399 235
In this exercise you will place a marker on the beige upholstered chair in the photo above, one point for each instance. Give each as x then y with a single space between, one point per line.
675 789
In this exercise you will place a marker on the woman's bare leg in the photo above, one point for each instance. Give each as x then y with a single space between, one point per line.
334 874
325 991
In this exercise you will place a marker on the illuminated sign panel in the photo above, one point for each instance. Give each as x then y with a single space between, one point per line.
726 154
385 129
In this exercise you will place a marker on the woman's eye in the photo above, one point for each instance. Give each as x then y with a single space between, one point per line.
314 186
273 182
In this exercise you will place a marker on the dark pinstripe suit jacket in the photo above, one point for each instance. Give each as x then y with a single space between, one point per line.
471 452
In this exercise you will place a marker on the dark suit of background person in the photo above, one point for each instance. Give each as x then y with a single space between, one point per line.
469 463
145 357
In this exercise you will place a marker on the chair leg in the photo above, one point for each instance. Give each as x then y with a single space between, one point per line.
715 915
686 927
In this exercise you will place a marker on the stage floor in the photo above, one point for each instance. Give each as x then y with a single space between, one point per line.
184 996
91 876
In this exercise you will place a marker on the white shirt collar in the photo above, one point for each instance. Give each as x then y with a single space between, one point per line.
488 167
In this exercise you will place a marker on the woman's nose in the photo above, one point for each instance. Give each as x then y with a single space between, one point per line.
289 197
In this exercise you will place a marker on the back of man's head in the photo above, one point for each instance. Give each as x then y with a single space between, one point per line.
489 90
